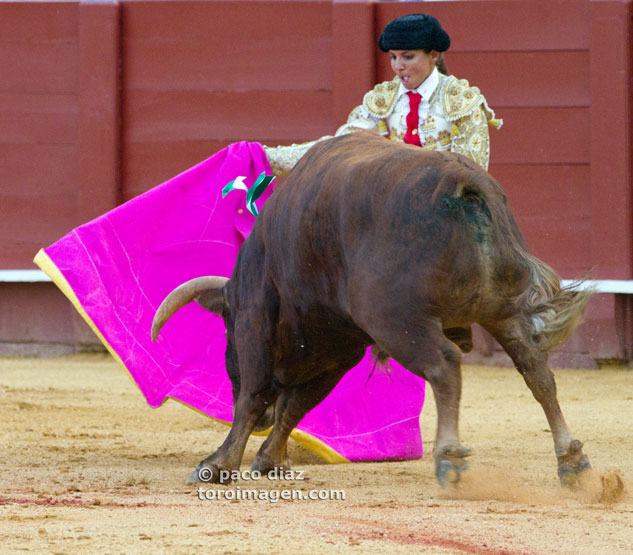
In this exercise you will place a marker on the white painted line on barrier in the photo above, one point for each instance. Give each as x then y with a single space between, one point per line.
23 276
600 285
604 285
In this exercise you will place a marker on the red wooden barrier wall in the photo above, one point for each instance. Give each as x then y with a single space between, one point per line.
103 100
38 127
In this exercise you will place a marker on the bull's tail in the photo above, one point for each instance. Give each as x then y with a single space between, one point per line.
552 311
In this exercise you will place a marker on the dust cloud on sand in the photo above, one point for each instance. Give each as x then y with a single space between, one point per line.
86 466
605 487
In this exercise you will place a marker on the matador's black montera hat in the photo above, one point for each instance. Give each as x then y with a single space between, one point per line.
416 31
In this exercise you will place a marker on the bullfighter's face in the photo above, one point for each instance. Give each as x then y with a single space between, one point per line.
413 66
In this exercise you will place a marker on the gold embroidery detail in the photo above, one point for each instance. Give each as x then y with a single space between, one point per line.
473 140
429 123
396 136
430 143
355 114
381 99
459 98
444 138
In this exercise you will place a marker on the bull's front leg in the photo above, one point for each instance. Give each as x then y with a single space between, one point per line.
292 405
229 456
532 365
256 393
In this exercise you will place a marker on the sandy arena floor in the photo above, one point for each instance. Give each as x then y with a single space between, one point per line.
87 467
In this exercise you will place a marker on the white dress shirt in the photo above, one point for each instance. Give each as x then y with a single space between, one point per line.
398 118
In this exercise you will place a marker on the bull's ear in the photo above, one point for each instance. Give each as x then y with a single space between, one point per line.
212 300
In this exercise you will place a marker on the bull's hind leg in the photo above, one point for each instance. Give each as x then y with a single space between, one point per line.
428 353
442 369
532 365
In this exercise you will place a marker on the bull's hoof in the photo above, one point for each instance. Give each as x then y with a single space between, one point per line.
568 474
206 475
451 464
571 463
448 473
264 464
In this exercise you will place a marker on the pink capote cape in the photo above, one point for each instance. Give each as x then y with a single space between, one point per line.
118 268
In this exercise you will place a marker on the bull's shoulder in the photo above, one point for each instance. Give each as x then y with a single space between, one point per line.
380 101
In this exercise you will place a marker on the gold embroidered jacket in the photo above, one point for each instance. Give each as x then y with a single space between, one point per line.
456 118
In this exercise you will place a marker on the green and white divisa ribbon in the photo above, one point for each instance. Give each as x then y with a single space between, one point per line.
252 194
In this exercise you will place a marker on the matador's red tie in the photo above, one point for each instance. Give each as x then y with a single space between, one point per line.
412 137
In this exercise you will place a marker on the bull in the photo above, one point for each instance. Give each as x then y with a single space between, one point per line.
372 243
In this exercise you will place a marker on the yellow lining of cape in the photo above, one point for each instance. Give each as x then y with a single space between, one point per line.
51 270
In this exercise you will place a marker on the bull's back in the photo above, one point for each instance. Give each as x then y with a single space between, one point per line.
360 214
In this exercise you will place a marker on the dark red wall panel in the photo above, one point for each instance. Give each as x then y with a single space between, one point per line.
612 138
526 79
38 50
99 108
254 46
542 136
538 195
263 74
195 115
38 126
33 118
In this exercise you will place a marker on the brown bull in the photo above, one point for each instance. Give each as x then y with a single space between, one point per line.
374 243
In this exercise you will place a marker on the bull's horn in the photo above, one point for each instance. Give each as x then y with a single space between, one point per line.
206 290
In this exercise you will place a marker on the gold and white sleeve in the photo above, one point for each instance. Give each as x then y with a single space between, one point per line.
283 158
358 120
471 137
